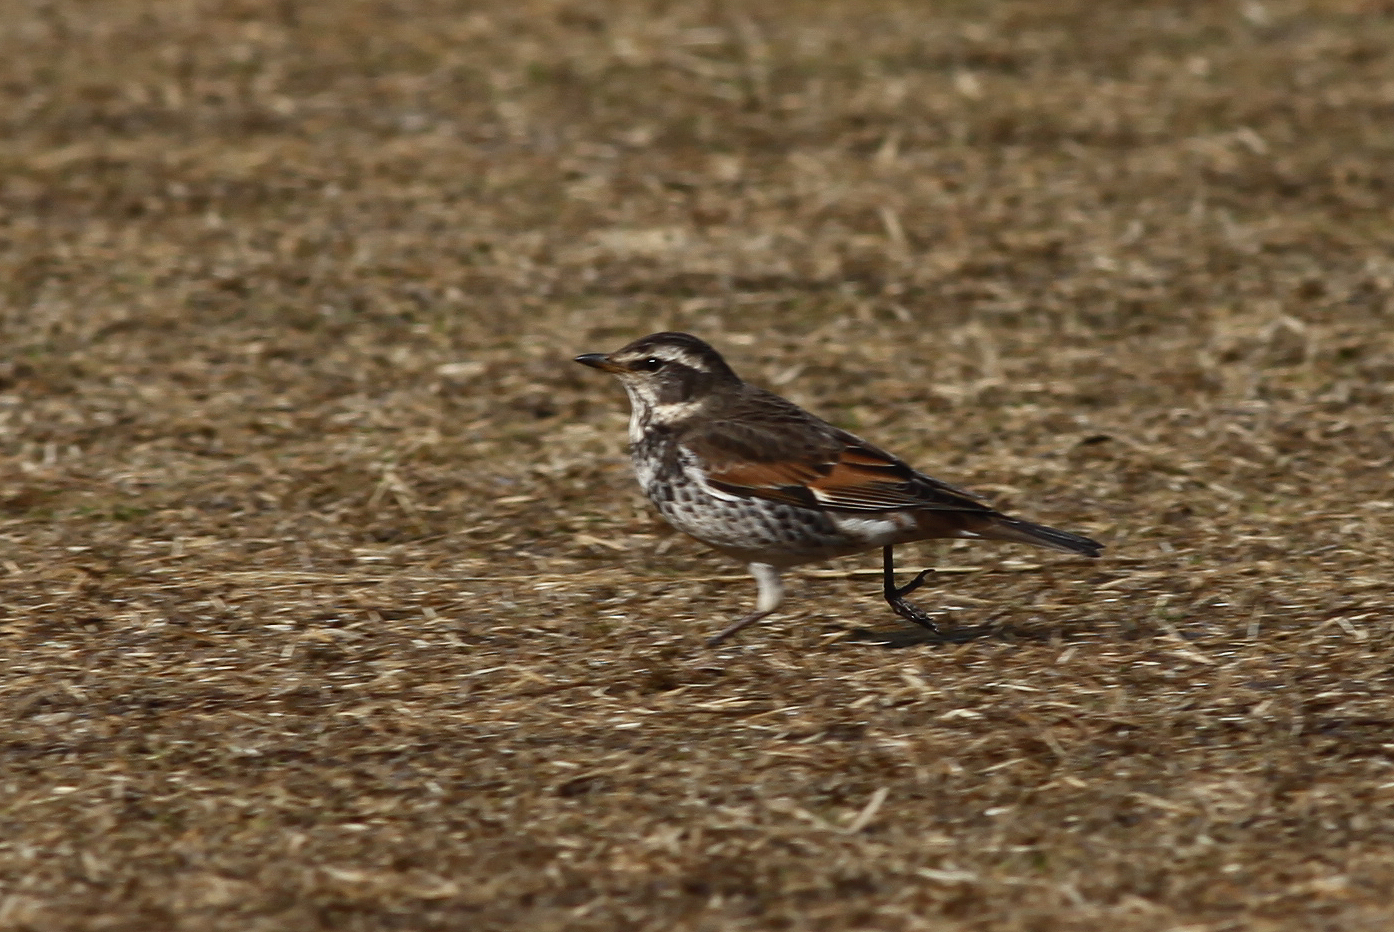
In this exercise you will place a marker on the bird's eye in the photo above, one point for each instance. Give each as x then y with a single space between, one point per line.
652 364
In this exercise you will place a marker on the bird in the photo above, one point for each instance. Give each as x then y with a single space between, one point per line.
763 481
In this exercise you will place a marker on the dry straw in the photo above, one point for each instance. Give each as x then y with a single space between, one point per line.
329 602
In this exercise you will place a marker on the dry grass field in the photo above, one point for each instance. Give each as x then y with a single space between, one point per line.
330 601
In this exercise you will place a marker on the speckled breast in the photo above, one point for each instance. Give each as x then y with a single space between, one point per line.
748 528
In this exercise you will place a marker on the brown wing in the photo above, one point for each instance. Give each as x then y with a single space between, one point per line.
777 451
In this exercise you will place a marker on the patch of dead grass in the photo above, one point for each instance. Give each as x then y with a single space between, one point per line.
329 599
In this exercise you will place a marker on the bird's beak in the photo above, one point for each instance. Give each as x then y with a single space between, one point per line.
599 361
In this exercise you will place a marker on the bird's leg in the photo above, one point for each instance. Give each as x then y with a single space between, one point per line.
771 594
741 625
896 596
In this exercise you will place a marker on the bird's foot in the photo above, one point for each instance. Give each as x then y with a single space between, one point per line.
895 595
913 584
912 614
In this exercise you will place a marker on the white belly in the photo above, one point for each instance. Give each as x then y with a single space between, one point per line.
875 530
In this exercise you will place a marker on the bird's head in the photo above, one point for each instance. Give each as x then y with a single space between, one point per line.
666 373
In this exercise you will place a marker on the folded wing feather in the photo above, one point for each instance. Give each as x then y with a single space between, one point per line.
858 477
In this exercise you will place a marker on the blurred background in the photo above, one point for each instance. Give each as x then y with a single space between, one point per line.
330 599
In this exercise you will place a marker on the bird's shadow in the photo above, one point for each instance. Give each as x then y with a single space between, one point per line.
896 638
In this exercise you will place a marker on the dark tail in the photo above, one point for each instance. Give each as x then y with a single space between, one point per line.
1024 532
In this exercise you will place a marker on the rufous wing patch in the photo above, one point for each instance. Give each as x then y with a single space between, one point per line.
861 479
779 480
766 475
862 482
